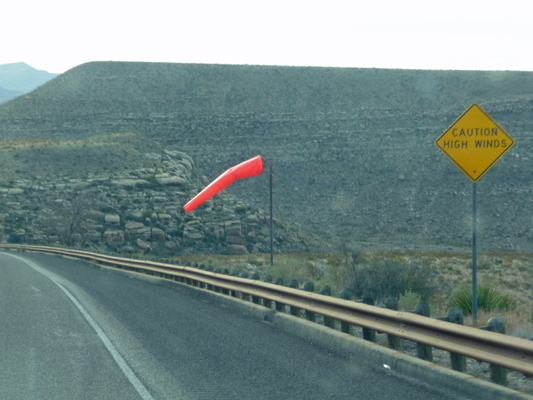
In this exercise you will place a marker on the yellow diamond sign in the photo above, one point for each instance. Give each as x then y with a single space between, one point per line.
474 142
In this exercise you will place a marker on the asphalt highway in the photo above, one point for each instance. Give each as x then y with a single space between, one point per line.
70 330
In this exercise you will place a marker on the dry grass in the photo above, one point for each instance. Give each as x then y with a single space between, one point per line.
35 144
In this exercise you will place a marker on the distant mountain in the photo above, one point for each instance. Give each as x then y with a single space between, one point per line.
352 150
22 78
6 95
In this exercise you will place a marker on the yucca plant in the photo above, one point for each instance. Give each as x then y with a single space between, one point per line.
488 298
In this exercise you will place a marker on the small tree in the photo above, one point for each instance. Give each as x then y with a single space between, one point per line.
69 217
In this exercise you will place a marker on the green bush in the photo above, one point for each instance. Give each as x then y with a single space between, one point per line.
391 278
14 238
409 300
488 298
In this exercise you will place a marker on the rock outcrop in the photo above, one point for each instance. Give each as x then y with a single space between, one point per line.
132 207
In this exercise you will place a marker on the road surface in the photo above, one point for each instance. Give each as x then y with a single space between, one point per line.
70 330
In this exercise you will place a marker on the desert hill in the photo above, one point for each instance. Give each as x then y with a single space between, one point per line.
352 149
126 193
6 95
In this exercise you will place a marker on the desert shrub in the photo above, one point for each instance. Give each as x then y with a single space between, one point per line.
14 238
241 209
488 298
409 300
391 278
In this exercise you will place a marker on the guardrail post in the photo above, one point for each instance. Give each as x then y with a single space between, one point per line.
423 351
210 269
201 285
217 271
225 271
455 316
244 296
267 303
394 341
233 293
497 374
255 299
346 294
369 334
294 284
329 322
279 306
309 315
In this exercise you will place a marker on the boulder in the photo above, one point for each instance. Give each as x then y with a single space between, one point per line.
94 236
158 235
168 180
134 225
238 249
233 228
112 219
143 245
171 245
128 249
192 234
130 183
234 240
136 230
113 236
164 218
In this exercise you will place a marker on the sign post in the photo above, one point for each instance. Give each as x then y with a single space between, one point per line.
474 143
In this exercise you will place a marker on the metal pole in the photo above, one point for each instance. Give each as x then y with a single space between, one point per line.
474 254
271 220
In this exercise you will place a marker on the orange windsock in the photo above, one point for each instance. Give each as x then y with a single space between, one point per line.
247 169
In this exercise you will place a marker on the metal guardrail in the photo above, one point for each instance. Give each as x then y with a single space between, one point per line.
500 350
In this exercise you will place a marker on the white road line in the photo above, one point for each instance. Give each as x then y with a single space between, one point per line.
139 387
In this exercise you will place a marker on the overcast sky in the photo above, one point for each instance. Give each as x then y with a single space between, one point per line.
56 35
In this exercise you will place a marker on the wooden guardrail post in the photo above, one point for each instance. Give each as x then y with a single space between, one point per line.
233 293
187 280
497 374
217 271
266 302
455 316
279 306
225 271
423 351
346 294
244 296
201 285
255 276
394 341
209 268
309 287
329 322
294 284
369 334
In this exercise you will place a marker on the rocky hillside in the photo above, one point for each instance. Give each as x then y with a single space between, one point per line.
126 193
352 149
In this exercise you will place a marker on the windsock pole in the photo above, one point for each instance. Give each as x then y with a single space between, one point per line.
271 221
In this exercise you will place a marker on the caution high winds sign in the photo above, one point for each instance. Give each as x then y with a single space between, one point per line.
474 142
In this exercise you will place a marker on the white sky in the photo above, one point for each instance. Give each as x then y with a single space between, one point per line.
56 35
